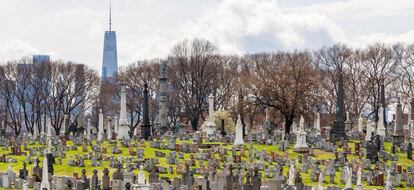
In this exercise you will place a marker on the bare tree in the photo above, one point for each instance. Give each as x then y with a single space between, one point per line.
133 78
194 67
284 81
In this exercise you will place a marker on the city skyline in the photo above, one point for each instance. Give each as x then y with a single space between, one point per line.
149 29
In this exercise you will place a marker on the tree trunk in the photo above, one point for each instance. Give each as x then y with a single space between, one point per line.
288 122
194 122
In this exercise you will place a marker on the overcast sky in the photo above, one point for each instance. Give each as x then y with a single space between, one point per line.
74 29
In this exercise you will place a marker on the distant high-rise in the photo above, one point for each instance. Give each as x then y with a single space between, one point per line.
110 58
39 59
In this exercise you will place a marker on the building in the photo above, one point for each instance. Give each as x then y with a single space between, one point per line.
110 57
39 59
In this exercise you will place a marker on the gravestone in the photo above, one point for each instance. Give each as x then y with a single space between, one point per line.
106 180
94 181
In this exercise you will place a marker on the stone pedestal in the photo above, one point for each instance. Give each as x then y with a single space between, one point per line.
301 146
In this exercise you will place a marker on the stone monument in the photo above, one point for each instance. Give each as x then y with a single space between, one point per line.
398 133
317 123
338 129
301 146
45 175
360 124
100 126
146 126
239 132
209 125
123 121
163 115
380 124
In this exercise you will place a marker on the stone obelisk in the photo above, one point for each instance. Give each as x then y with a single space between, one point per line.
338 129
163 117
317 124
100 126
210 126
123 121
398 133
380 124
146 126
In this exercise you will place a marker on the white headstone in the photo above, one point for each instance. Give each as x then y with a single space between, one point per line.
359 179
45 176
294 127
25 186
370 129
388 183
320 181
35 132
239 132
100 126
301 145
317 123
348 177
291 179
63 129
141 176
109 129
360 124
412 131
88 129
49 128
381 127
123 120
209 125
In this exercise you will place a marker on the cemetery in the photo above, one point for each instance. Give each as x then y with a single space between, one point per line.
363 156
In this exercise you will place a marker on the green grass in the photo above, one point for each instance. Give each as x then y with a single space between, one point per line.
66 170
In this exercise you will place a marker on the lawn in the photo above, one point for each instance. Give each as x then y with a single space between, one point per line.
66 170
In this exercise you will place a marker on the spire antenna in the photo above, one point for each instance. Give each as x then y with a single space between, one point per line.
110 16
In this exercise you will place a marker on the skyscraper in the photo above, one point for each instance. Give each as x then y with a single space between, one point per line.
110 58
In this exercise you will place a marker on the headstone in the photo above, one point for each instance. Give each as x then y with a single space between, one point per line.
239 132
301 146
94 181
106 180
45 175
360 124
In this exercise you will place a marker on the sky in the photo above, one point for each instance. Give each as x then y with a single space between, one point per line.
74 30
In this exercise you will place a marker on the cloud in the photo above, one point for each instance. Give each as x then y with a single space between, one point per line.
74 30
387 38
239 26
15 48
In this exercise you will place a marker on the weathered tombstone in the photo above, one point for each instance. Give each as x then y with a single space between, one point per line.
410 151
94 181
256 180
23 173
85 179
106 180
